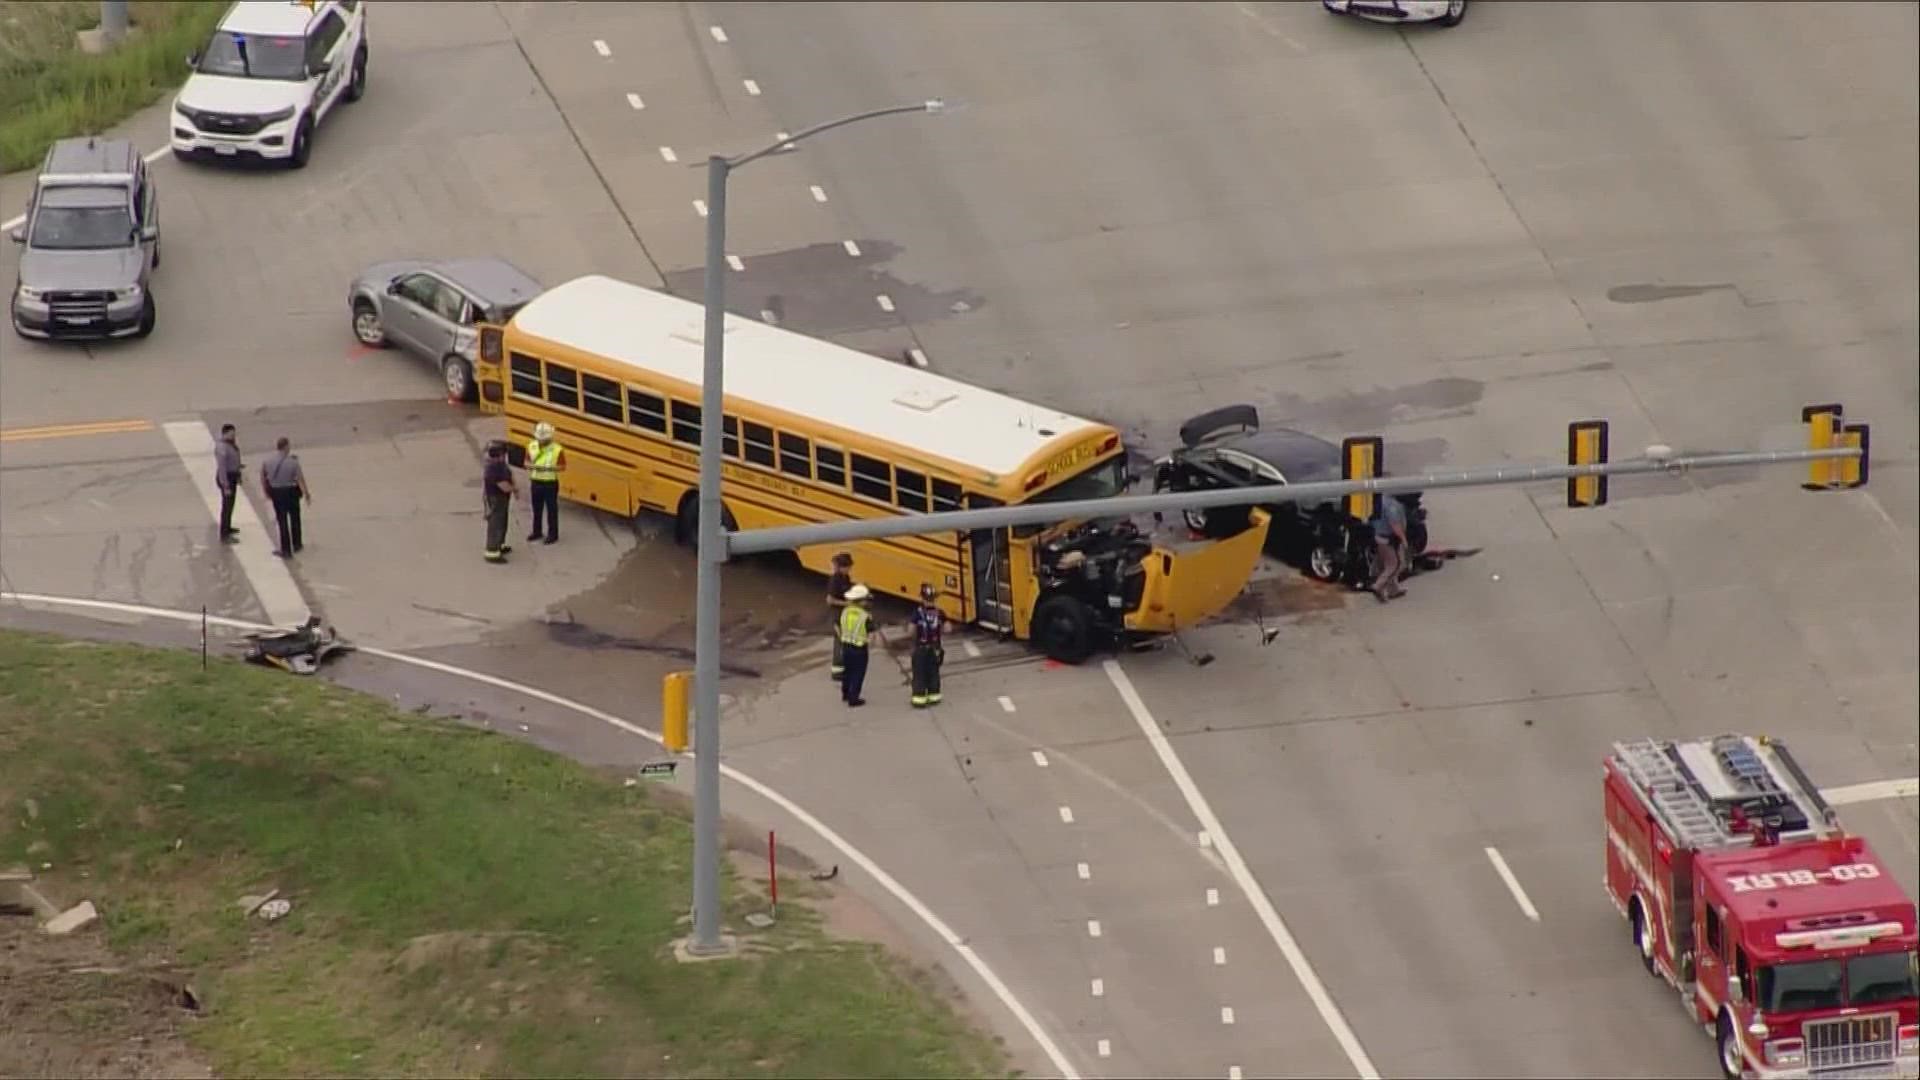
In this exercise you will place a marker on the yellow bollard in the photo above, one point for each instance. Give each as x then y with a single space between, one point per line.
673 710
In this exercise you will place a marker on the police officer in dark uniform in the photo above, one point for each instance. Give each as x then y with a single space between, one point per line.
928 653
837 587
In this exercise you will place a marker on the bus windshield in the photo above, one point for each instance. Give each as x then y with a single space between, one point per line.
1102 481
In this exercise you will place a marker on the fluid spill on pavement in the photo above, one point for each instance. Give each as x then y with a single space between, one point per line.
821 290
1653 294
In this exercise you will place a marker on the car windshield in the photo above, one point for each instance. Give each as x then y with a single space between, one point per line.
1874 979
255 56
82 219
1102 481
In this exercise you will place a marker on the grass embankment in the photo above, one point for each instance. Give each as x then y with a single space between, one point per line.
462 903
50 89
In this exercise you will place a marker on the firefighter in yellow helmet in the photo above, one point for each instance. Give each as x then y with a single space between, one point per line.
855 626
546 460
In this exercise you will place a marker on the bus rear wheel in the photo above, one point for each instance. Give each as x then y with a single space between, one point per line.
1063 628
686 521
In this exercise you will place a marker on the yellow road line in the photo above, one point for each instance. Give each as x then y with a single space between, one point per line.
67 431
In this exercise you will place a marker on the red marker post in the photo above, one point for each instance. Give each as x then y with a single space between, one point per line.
773 878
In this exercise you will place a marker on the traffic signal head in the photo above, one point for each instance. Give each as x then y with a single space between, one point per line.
1361 458
1587 445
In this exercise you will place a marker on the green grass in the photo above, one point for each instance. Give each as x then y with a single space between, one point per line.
463 903
50 89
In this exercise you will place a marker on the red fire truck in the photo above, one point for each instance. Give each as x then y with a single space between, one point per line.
1787 938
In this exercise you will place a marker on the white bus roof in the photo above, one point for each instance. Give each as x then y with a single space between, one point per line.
650 331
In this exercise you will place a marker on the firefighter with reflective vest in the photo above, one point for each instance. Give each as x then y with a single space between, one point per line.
546 460
837 587
928 653
855 626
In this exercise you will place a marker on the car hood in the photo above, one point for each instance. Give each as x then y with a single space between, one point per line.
226 94
111 269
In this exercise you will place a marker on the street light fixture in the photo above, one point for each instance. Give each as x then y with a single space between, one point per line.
706 939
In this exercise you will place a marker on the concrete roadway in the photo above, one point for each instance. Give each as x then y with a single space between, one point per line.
1461 240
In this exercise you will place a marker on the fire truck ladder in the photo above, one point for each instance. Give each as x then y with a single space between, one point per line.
1683 805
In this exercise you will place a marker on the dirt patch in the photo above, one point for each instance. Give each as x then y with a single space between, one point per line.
67 1009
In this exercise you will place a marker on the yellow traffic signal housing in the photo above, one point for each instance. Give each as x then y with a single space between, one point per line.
1360 459
1853 471
1823 431
1587 445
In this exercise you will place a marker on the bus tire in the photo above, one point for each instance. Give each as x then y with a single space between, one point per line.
1063 628
686 520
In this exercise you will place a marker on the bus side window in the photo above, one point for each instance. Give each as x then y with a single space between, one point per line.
526 376
601 397
832 464
796 456
686 423
644 410
729 436
563 386
872 478
759 444
946 495
911 490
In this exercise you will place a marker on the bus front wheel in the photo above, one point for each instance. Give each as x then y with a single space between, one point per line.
686 522
1063 628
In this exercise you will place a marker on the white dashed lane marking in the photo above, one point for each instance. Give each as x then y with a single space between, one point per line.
601 48
1066 815
853 249
1085 872
734 261
667 154
819 193
1219 956
1233 1072
719 35
1039 757
700 207
1226 1014
634 102
753 88
1513 884
1093 927
1099 988
1213 897
1103 1048
885 302
919 358
973 651
1006 703
768 317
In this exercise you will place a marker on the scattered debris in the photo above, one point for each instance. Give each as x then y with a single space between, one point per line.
33 809
250 904
73 918
828 875
759 920
301 650
275 910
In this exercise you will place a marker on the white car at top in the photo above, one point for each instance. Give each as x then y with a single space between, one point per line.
271 72
1444 12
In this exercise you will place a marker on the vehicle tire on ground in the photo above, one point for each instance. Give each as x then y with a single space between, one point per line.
156 253
1642 936
1063 629
185 156
1732 1064
1456 11
686 521
149 316
357 78
366 325
458 375
302 145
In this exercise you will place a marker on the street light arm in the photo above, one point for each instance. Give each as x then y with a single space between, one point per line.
931 106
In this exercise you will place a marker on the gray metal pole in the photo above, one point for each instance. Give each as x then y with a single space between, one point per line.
706 632
755 541
113 21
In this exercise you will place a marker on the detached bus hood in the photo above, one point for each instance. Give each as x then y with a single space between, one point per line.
1187 587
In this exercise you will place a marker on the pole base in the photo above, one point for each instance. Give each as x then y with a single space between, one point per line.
687 951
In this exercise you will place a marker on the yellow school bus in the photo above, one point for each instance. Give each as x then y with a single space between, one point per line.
814 433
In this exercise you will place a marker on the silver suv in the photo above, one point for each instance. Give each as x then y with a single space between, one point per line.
91 241
434 310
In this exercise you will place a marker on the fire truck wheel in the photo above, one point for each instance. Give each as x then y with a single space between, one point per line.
1642 937
1731 1065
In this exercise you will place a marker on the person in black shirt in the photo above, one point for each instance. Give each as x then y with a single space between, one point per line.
928 652
837 587
496 495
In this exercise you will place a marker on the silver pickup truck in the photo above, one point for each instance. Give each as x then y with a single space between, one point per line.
90 242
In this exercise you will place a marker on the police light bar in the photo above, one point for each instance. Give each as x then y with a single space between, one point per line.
1842 938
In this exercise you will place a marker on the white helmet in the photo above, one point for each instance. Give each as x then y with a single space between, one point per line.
543 432
858 592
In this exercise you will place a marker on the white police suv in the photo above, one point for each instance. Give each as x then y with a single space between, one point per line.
1444 12
271 72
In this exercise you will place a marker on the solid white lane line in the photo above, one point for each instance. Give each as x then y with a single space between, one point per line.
1040 759
1513 884
1872 790
1093 927
919 358
753 88
601 48
271 580
1103 1048
634 102
666 152
719 35
885 302
1001 991
1099 988
1213 897
700 207
1085 872
1066 815
1006 703
1276 928
734 261
1226 1014
149 157
819 193
853 249
1219 956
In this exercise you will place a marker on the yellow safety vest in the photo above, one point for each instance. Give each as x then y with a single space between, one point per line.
853 626
541 460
